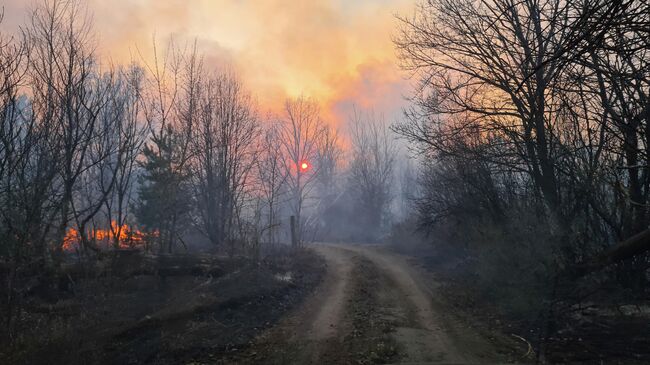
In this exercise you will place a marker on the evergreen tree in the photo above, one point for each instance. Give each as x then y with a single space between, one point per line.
164 201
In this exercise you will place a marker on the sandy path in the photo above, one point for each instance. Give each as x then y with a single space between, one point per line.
425 335
313 333
324 309
303 336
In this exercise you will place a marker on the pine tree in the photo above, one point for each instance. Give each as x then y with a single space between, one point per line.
164 201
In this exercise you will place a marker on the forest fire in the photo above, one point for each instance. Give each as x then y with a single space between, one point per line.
458 181
127 237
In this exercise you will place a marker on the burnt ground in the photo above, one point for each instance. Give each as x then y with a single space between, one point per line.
332 304
167 316
602 328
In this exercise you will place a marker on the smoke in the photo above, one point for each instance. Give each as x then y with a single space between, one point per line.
338 52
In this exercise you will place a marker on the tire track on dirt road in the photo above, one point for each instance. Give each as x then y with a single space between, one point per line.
325 328
306 334
423 333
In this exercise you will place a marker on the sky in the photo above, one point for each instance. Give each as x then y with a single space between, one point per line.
338 52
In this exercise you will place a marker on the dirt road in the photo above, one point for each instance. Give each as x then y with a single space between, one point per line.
373 306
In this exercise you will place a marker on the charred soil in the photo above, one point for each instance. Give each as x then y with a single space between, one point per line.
165 316
582 322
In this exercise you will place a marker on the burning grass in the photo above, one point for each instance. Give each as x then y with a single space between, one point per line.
116 236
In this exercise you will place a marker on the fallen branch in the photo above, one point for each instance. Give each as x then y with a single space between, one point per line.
633 246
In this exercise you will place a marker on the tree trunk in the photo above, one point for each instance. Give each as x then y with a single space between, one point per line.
631 247
294 236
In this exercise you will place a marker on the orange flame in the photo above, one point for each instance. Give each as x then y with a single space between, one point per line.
127 237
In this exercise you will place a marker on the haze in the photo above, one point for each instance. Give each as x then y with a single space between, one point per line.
325 182
338 52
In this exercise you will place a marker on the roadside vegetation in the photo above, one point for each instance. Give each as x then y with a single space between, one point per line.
531 122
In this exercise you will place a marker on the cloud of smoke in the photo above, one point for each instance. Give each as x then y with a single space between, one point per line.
339 52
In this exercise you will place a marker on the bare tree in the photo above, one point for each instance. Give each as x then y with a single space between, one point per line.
271 180
491 66
328 158
617 72
372 161
68 93
329 191
22 202
223 155
300 134
129 134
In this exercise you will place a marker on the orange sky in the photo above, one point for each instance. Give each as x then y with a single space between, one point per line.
337 51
